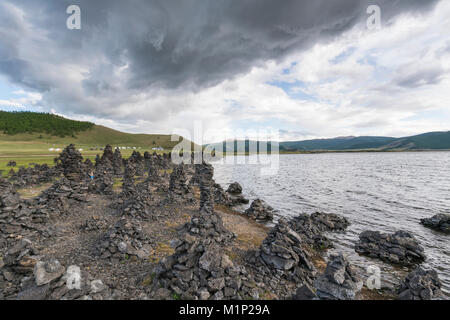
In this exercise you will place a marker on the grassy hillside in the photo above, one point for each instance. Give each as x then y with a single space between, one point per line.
12 123
426 141
431 140
32 143
348 143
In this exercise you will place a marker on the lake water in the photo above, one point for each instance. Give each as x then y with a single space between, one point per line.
375 191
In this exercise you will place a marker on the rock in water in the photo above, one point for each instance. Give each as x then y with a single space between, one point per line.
260 211
339 281
311 228
235 194
439 222
399 248
234 188
420 284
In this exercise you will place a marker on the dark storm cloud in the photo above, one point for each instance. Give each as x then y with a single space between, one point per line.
127 48
173 43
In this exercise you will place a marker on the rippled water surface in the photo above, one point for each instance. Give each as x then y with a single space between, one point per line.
375 191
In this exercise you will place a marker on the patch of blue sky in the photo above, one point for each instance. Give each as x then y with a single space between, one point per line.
288 70
295 90
10 92
6 90
343 55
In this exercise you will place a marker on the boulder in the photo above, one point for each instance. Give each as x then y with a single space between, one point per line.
339 281
312 227
420 284
260 211
234 188
283 252
439 222
47 271
235 194
400 248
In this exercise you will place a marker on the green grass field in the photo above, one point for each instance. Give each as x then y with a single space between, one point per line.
27 149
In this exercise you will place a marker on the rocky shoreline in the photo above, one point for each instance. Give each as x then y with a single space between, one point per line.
171 232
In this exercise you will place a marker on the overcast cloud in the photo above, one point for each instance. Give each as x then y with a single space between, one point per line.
309 68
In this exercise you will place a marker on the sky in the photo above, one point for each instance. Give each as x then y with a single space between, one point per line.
306 69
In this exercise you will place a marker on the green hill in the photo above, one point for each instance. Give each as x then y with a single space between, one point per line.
49 129
28 137
12 123
342 143
426 141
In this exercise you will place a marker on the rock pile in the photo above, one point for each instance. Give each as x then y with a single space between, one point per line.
128 185
136 198
339 281
71 162
8 195
420 284
125 239
61 196
18 262
117 163
108 155
235 194
148 161
206 224
52 281
260 211
282 257
11 164
199 269
137 160
94 223
103 181
34 175
311 228
399 248
153 175
329 222
220 196
205 174
18 216
104 173
439 222
178 187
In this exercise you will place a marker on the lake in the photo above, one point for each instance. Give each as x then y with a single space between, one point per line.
374 191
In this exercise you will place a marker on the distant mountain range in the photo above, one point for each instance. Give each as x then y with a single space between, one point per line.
48 128
426 141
